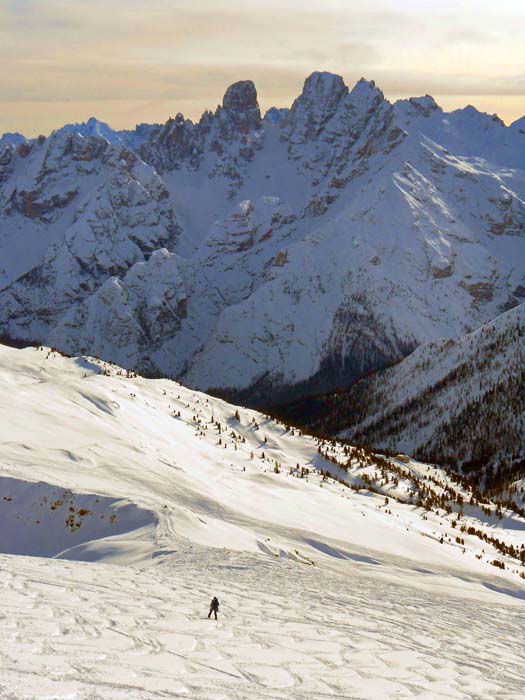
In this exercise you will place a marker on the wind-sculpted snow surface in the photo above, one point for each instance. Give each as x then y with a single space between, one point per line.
333 582
285 632
312 245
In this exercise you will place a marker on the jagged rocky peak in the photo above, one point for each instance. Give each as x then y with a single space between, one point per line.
11 139
275 115
321 84
172 130
365 95
176 142
325 98
321 90
333 118
427 103
64 145
181 143
316 105
241 97
91 127
417 106
240 102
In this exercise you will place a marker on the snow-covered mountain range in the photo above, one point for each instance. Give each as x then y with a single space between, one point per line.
131 138
126 503
265 255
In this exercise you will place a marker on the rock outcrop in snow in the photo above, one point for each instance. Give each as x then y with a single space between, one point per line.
222 142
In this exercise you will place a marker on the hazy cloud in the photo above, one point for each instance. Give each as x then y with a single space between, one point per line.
132 59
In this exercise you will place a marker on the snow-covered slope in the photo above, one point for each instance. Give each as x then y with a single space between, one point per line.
311 245
326 590
459 402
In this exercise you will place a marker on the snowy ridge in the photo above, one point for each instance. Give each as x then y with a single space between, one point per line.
289 233
458 402
192 496
130 138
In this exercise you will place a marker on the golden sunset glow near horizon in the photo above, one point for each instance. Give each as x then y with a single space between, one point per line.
132 61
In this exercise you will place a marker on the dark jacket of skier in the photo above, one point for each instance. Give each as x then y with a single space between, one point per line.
214 607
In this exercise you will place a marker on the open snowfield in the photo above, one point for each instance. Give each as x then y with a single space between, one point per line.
120 519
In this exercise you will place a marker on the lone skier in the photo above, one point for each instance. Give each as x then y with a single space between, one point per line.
214 607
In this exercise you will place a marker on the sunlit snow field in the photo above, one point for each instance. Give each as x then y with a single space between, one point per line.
324 593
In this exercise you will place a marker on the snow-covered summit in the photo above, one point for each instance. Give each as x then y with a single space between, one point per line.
11 139
276 114
92 127
518 125
418 106
131 138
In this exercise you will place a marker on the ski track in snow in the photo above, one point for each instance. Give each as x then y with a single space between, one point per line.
285 630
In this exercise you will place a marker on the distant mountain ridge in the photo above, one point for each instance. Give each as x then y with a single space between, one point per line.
263 256
131 138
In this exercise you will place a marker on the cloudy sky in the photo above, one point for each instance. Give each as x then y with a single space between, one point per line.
127 61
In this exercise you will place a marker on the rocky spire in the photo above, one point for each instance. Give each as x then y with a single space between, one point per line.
324 89
319 101
240 104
